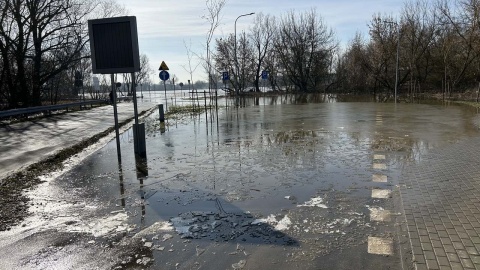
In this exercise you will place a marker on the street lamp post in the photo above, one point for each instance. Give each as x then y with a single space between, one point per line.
396 73
235 50
396 65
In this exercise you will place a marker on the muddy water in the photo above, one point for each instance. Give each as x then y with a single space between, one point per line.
264 187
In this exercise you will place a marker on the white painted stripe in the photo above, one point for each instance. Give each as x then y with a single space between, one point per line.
381 193
379 178
379 157
380 246
379 214
379 166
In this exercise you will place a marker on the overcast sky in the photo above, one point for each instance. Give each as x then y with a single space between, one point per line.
164 25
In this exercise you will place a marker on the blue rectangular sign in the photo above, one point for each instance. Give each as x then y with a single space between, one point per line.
225 76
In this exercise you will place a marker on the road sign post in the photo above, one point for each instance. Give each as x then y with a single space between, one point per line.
225 78
164 75
264 78
114 49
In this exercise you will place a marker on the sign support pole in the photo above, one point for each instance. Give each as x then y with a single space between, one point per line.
225 88
134 92
115 116
139 146
164 76
166 100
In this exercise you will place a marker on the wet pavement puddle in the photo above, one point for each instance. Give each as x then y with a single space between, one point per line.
379 214
379 166
263 187
379 178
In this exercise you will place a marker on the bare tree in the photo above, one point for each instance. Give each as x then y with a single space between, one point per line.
43 43
190 68
305 46
352 71
143 76
466 47
382 52
14 45
108 9
59 36
418 36
213 17
262 36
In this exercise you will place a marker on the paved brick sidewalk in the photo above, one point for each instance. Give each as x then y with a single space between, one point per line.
441 198
28 142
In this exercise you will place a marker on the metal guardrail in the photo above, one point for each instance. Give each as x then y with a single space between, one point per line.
49 108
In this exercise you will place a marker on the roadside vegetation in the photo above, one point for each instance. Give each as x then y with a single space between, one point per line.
438 54
45 58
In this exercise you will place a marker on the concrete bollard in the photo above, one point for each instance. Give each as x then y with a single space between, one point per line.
162 114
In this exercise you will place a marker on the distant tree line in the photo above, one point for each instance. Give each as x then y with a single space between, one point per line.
438 53
44 52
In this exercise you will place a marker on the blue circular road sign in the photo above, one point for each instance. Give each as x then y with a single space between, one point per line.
264 74
164 75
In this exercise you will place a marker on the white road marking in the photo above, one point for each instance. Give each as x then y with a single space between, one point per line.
379 214
381 193
380 246
379 178
379 157
379 166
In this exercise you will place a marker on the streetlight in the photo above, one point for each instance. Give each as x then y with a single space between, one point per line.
235 50
398 49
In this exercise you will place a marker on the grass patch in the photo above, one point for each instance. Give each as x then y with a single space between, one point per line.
468 103
188 109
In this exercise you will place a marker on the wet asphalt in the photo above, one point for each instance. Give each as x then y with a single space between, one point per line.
275 186
30 141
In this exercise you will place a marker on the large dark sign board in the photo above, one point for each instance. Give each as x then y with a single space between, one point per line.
114 45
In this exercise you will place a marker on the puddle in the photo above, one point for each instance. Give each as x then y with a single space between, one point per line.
297 179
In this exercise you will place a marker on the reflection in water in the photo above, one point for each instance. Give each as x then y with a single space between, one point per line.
122 187
141 166
252 158
248 175
142 173
278 142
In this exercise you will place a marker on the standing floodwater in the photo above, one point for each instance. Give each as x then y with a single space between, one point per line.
292 186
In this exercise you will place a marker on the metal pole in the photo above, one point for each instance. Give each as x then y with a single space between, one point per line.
115 116
166 100
134 92
191 92
175 95
396 73
235 50
397 60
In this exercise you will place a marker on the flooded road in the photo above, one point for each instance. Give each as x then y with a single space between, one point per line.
291 186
